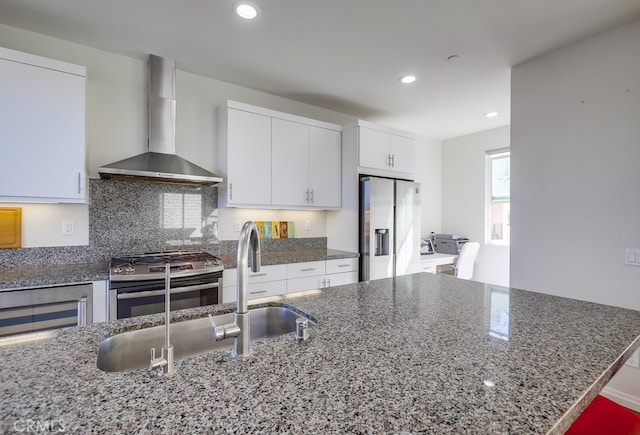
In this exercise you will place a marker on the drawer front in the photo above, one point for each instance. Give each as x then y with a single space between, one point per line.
265 289
427 267
342 278
302 270
342 265
267 273
308 283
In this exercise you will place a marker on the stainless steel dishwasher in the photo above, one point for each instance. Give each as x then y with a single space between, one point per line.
43 308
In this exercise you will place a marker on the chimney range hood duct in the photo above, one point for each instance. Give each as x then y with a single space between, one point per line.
160 163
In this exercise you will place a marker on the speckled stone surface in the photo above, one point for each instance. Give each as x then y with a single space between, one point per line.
41 276
405 355
292 256
19 277
132 217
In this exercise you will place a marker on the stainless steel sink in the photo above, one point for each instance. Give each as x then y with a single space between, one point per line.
130 350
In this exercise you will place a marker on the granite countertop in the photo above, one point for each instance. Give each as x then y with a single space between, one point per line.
292 256
420 353
42 276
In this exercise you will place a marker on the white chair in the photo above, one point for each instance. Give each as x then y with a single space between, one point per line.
463 268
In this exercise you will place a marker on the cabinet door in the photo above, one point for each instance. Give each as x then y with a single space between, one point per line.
42 145
325 170
302 284
403 154
341 278
248 158
290 163
373 149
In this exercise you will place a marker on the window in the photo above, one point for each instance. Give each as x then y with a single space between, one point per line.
499 196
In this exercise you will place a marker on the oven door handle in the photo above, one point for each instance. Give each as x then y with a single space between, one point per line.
146 294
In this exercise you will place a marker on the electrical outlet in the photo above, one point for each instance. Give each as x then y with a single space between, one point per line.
237 225
68 228
307 225
632 257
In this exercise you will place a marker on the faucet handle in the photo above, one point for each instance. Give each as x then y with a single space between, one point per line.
218 331
154 362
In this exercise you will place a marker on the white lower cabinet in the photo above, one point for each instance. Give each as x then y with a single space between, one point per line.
269 281
291 278
341 271
430 263
321 274
305 276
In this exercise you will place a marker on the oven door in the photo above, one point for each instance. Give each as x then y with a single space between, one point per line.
138 298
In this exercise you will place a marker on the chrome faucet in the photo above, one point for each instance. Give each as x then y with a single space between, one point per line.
165 360
240 329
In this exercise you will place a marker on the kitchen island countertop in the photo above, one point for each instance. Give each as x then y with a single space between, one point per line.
420 353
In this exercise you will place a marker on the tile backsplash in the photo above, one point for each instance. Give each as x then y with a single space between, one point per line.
136 216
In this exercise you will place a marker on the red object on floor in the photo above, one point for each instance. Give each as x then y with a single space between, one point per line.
605 417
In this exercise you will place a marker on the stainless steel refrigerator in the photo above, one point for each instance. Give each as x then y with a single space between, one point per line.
389 227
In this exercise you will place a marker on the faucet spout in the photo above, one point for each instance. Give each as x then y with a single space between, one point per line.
249 241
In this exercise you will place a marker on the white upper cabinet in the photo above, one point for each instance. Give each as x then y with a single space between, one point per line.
386 150
248 172
290 163
325 168
42 125
278 160
374 149
305 165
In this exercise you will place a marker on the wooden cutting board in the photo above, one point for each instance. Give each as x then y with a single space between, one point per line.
10 227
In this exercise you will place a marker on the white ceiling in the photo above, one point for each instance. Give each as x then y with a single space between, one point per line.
344 55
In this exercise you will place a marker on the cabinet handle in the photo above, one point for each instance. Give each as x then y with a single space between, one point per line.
324 283
79 183
257 292
343 265
82 311
329 282
306 198
257 274
230 190
311 196
309 269
389 160
393 160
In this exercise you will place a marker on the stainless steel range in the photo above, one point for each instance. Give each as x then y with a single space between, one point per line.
137 282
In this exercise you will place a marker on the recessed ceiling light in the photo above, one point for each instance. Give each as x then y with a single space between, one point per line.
408 79
491 114
246 11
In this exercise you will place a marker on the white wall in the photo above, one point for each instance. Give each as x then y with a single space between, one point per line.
117 128
576 183
575 162
463 199
429 175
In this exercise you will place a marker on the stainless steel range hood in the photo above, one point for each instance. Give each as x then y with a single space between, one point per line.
160 163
